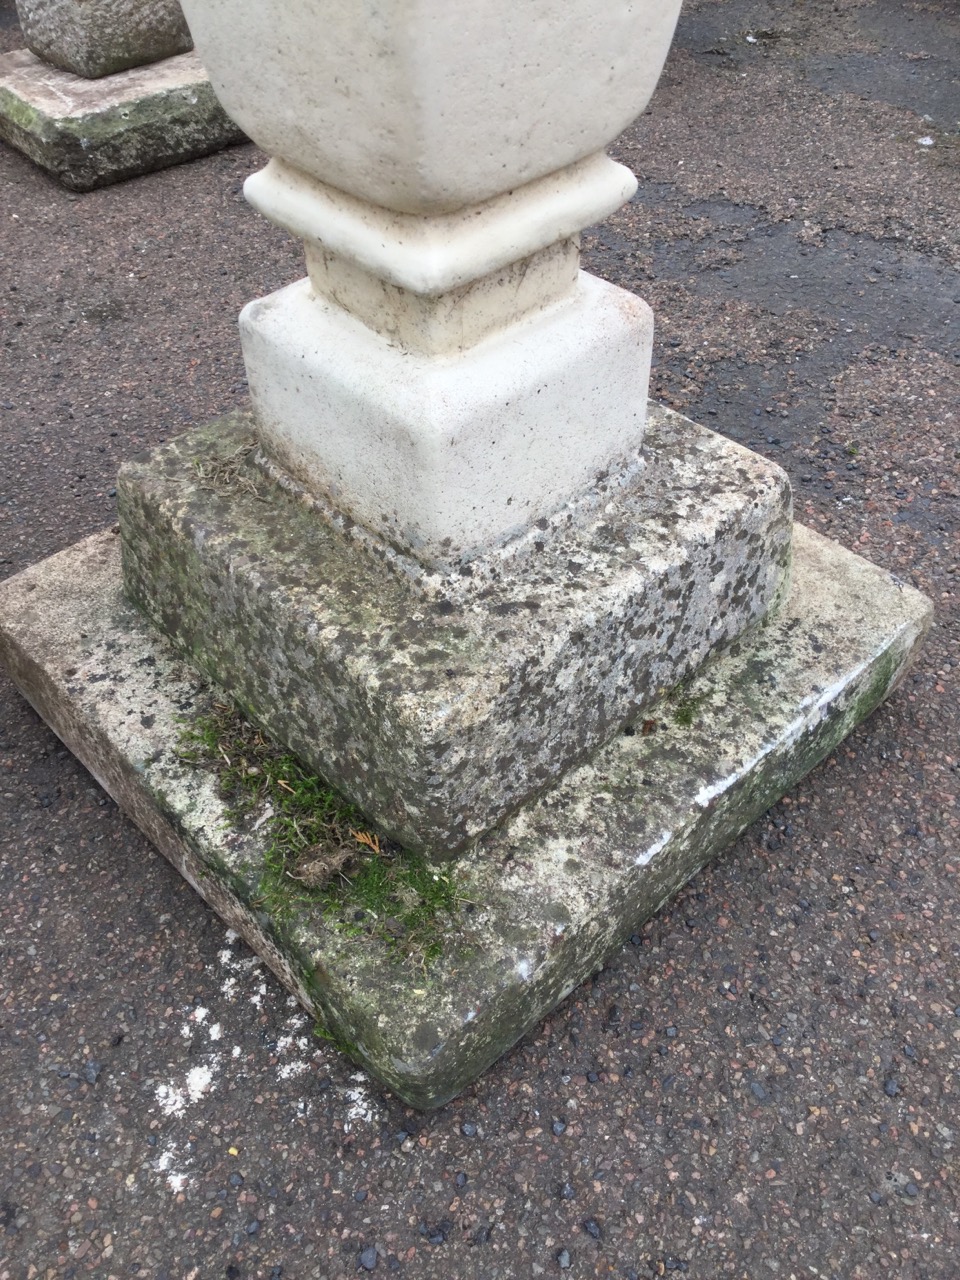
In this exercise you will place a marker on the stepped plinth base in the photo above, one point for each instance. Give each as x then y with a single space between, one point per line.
547 896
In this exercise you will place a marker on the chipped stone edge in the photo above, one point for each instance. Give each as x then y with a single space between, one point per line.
558 887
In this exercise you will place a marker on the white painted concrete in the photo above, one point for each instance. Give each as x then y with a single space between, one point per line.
454 320
426 106
449 457
434 254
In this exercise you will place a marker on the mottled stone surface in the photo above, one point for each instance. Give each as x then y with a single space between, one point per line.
95 38
438 713
555 889
90 133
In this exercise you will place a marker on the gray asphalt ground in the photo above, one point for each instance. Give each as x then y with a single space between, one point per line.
764 1083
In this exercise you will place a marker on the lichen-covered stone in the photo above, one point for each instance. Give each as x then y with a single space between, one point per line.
556 888
95 38
90 133
439 714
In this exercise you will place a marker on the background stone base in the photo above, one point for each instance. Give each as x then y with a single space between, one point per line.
90 133
546 897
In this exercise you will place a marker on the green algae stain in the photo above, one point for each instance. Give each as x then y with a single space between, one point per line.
686 705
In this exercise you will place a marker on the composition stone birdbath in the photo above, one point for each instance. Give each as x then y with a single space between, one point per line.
559 644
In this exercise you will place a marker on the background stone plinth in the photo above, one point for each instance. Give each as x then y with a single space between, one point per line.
94 38
439 705
90 133
545 898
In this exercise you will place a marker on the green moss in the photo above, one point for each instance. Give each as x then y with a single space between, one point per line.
881 679
345 1046
20 113
686 705
318 849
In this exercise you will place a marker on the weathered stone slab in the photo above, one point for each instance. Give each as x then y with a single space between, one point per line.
95 38
90 133
439 709
555 889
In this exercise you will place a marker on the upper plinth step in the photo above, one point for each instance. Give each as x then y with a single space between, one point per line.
438 715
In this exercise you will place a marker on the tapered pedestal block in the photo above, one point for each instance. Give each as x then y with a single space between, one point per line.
448 456
90 133
94 38
543 899
438 705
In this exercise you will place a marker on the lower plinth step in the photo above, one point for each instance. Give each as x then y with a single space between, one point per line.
544 898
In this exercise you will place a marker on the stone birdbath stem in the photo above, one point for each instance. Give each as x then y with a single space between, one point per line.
447 375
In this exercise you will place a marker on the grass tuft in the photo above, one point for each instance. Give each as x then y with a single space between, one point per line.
318 848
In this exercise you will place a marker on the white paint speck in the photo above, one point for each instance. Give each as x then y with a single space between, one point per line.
287 1070
215 1031
174 1098
235 966
175 1179
199 1082
360 1106
925 141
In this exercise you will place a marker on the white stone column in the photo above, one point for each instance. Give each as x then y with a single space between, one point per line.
446 376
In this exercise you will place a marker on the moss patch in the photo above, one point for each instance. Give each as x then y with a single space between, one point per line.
319 849
686 704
